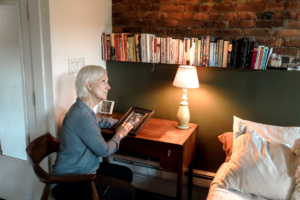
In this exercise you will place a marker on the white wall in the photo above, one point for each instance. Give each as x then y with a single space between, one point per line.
76 27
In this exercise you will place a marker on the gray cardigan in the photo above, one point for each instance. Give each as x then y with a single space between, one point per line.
82 144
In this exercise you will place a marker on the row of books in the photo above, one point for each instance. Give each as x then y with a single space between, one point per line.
203 51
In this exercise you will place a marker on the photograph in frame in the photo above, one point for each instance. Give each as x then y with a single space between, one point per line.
137 117
106 107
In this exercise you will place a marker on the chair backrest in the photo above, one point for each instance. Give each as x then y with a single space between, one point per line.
39 149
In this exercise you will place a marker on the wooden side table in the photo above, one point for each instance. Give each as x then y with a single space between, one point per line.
160 138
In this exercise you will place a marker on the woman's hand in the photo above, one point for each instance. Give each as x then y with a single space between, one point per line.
124 129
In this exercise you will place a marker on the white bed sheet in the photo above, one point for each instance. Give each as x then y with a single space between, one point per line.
218 193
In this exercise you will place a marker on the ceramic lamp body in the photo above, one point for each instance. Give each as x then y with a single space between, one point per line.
183 114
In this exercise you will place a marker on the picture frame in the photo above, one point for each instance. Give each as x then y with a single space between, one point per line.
137 117
106 107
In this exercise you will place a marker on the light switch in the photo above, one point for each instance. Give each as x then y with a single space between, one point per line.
75 65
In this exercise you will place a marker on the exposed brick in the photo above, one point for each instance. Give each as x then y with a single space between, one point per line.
168 22
190 23
286 33
184 1
202 32
117 14
269 42
213 24
257 32
121 22
158 31
187 32
287 15
251 7
144 22
261 15
161 1
140 1
285 51
137 15
215 16
119 1
227 33
293 24
117 29
292 43
221 7
268 24
198 8
156 15
172 8
200 16
181 15
114 7
291 5
135 30
246 15
230 16
173 31
127 7
149 7
241 24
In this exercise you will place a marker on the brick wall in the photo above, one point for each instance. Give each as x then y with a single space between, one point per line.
226 19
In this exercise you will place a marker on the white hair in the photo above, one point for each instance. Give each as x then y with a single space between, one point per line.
88 73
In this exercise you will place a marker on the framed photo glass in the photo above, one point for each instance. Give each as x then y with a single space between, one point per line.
137 117
106 107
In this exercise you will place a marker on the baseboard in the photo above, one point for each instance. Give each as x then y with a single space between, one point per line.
149 176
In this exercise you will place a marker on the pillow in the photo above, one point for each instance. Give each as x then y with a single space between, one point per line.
227 140
259 167
283 135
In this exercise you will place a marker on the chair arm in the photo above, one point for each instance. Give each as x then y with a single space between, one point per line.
68 179
106 159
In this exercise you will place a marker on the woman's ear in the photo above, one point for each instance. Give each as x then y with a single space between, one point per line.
88 86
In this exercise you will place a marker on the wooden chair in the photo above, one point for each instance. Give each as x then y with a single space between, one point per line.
39 149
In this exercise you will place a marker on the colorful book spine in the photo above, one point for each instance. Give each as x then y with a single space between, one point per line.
196 51
211 53
202 52
199 52
225 54
143 46
254 58
217 53
207 51
103 40
220 57
138 47
163 50
264 59
112 46
108 49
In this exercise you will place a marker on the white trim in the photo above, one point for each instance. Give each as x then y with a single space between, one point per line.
148 176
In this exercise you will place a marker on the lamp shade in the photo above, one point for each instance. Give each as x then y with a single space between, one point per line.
186 77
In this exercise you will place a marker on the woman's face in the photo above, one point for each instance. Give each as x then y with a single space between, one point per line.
100 89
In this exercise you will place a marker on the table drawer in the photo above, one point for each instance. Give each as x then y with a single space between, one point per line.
168 157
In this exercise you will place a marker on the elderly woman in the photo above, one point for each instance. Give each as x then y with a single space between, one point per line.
82 144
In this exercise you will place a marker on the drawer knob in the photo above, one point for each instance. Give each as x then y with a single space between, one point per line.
169 153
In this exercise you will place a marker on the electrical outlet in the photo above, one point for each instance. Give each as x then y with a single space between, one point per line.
75 65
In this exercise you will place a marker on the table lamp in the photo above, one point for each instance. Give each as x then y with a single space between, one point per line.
186 78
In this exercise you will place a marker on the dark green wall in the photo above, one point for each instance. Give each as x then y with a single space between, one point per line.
270 97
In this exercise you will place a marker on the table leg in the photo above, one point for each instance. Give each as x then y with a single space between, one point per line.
190 180
179 187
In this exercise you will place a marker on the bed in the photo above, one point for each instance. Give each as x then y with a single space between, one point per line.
262 162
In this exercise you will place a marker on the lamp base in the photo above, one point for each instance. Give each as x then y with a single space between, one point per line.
184 126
